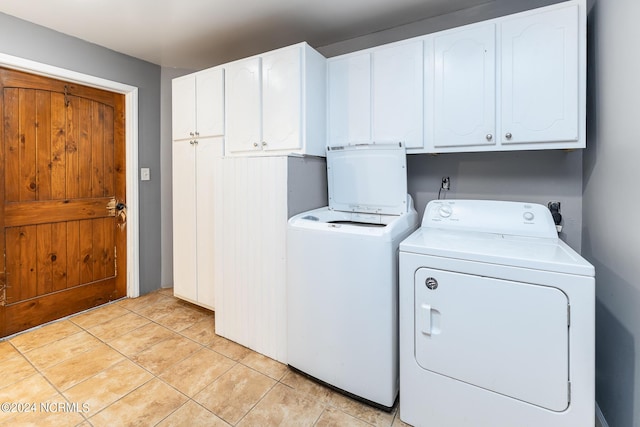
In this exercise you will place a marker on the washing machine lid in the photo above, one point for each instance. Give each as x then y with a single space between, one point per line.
368 178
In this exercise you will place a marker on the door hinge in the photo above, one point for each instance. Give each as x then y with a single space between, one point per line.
3 280
115 261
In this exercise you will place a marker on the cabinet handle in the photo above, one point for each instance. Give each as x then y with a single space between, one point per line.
191 134
489 137
191 142
508 135
264 144
195 142
197 133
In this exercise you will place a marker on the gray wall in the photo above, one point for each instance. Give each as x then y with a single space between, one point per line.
611 234
22 39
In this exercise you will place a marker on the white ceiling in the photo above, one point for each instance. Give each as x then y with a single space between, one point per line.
195 34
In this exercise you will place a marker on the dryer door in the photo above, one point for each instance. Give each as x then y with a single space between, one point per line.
508 337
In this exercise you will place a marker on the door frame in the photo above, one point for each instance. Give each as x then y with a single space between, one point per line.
131 142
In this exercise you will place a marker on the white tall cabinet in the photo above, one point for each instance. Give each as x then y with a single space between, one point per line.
197 150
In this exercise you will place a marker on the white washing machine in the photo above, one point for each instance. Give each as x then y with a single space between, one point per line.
496 320
342 274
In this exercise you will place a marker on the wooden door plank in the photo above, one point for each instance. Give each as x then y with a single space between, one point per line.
69 116
12 143
58 147
27 177
97 150
13 262
109 155
59 255
99 250
43 259
73 253
37 311
28 263
83 120
43 145
86 251
109 243
22 213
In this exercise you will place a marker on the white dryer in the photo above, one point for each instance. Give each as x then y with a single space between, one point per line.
497 320
342 274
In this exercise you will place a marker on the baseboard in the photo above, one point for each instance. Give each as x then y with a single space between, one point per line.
600 421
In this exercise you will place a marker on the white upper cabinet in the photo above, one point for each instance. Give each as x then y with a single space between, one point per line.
464 87
376 96
275 103
349 93
540 77
537 59
243 105
397 89
198 104
282 100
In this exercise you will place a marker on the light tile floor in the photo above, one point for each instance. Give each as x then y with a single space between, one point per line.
156 360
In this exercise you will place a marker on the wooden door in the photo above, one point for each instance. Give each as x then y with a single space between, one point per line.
62 151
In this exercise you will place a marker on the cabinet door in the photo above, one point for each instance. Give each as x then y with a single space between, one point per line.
209 152
540 77
281 100
464 104
210 102
184 220
350 100
243 106
397 94
183 107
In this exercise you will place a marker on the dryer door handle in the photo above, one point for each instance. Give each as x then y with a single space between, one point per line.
424 319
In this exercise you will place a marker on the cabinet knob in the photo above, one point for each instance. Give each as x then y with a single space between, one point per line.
191 134
489 137
508 135
197 133
264 143
255 144
191 142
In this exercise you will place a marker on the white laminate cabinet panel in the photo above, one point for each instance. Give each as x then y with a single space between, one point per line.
183 116
464 104
397 92
349 105
243 104
281 99
184 221
210 102
540 76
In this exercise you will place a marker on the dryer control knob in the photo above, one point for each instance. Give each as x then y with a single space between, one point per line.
445 211
431 283
528 216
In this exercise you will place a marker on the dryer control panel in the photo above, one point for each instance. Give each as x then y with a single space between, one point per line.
491 216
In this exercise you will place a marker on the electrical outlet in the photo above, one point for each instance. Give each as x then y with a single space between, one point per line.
554 206
446 183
